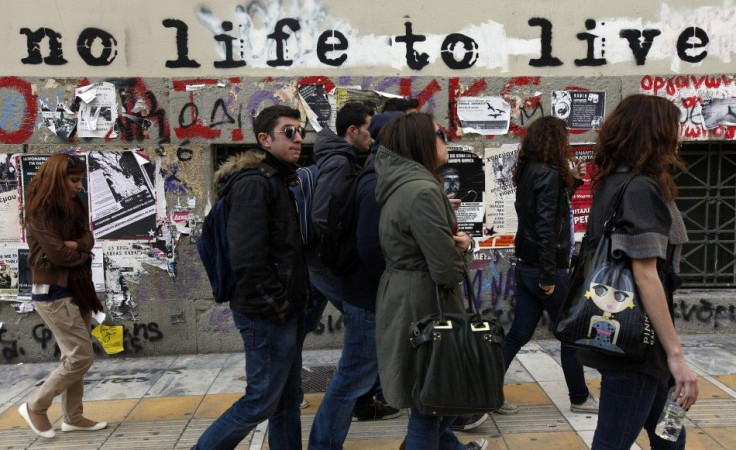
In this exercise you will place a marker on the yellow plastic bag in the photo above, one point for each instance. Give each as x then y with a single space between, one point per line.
111 338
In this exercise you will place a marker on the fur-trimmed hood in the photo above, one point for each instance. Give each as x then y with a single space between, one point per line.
246 160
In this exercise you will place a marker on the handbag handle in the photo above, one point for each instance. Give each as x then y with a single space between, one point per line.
471 298
610 224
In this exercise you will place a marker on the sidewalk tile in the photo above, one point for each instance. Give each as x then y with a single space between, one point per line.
726 436
214 405
111 411
11 417
697 439
728 380
707 390
569 440
165 408
525 394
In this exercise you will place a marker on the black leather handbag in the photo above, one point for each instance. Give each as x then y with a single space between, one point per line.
460 366
603 311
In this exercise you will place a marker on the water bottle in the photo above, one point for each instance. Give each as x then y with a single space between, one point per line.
670 422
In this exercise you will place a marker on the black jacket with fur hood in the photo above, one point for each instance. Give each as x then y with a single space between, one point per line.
264 238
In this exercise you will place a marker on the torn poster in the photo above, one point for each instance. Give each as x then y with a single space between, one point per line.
718 111
61 121
581 110
98 267
499 166
9 204
484 115
24 275
9 273
123 202
111 337
463 178
316 104
372 99
583 196
98 110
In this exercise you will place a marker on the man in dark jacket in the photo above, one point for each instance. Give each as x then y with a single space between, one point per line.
332 187
272 285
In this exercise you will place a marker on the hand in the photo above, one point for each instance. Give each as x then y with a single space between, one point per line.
462 241
71 244
686 383
454 202
547 289
581 168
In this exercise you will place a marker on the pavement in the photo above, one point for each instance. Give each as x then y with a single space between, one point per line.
166 402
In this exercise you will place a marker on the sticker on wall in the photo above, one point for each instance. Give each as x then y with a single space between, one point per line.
111 338
581 110
123 203
98 110
484 115
463 178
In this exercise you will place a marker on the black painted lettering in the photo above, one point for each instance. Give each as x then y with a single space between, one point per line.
640 42
330 41
280 36
448 51
414 59
227 41
589 38
182 45
545 59
689 40
33 43
227 118
107 42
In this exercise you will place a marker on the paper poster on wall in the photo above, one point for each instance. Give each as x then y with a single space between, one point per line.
372 99
29 165
98 267
9 273
123 203
60 120
98 110
581 110
9 204
501 214
24 275
484 115
463 178
583 196
316 104
718 111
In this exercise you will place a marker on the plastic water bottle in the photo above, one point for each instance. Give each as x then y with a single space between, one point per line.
669 425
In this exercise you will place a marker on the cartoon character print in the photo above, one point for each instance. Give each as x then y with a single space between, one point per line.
611 289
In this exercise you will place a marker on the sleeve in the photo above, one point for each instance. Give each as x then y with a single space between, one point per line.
430 228
248 235
334 178
644 221
53 246
546 192
85 241
367 241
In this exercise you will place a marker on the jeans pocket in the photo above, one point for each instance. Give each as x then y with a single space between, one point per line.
255 332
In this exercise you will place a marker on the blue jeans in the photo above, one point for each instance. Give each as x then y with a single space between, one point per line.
273 363
629 402
530 303
356 373
431 433
325 286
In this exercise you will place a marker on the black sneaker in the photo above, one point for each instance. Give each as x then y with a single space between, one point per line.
465 423
375 411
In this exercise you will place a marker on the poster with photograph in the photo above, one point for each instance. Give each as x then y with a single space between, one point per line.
9 273
463 177
123 203
581 110
501 214
60 121
372 99
718 111
98 110
583 196
317 105
9 204
484 115
24 275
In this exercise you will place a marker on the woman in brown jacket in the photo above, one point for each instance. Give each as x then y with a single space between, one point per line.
59 241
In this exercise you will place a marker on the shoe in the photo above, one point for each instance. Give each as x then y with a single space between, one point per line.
304 404
480 444
97 426
375 411
48 434
589 406
465 423
507 409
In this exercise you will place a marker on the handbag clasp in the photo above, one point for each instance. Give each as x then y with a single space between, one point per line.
446 325
480 326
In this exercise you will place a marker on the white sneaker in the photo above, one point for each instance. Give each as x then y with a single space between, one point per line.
507 409
304 404
589 406
480 444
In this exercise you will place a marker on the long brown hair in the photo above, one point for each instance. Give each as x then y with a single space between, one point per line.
546 141
412 136
47 197
642 133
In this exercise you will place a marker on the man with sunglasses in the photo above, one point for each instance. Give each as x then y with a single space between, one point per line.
272 283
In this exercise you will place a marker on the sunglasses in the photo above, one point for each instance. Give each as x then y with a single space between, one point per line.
290 131
72 161
442 134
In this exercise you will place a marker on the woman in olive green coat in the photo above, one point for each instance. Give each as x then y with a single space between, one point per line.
422 250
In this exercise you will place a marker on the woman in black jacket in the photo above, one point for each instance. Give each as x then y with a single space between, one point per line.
544 184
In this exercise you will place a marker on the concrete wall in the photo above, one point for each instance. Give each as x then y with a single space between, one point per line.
168 60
